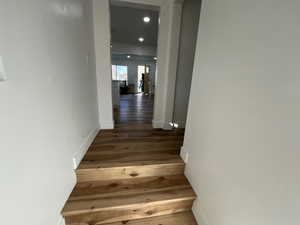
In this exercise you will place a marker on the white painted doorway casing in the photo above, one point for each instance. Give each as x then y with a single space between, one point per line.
168 45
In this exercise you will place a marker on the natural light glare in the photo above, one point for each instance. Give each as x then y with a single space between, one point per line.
119 72
147 19
175 125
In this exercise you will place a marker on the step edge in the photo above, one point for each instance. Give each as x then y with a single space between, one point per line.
83 211
132 166
120 193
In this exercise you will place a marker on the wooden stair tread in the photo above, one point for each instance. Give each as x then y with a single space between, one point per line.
132 200
100 164
132 171
119 149
132 174
132 139
141 145
182 218
139 133
156 142
93 189
129 156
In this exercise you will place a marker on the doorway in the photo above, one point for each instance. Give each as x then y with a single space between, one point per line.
133 59
166 51
143 79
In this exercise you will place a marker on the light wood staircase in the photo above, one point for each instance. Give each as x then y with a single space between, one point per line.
133 177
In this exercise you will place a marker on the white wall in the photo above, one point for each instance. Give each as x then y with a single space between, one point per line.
101 14
187 48
243 123
133 64
48 105
167 52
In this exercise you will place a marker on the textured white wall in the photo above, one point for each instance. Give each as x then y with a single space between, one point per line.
188 38
101 13
48 105
243 122
167 52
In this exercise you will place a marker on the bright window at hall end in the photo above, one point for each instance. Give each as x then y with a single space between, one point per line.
119 73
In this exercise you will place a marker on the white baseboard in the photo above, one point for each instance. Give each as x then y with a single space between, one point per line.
61 221
161 124
181 124
105 125
157 124
167 126
184 154
84 147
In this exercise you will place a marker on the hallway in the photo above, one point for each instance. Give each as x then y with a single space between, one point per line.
134 109
132 173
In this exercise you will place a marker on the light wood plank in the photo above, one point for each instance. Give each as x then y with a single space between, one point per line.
128 201
183 218
126 172
109 188
145 210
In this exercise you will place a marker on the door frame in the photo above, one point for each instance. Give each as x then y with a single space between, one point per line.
167 54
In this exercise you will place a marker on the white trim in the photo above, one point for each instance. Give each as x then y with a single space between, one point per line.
84 147
167 126
184 154
152 2
157 124
102 38
107 125
167 53
161 124
146 2
181 124
61 221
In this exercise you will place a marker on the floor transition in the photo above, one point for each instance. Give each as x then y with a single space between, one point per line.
132 174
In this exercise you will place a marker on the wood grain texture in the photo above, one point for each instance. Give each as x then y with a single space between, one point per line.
132 174
128 201
134 109
94 189
126 172
183 218
145 210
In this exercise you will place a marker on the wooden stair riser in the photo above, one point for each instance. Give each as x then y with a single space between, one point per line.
111 152
85 175
130 157
182 218
101 189
145 210
158 139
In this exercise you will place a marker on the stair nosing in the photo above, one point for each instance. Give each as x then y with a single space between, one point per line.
83 211
131 166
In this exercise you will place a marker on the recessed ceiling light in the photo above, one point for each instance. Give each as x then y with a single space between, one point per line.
155 58
146 19
141 39
128 57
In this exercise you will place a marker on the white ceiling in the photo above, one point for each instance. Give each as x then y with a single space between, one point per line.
127 24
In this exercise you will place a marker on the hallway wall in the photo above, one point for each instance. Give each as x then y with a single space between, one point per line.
48 105
187 48
242 135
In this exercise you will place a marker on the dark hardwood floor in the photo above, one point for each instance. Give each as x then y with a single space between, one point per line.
135 109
